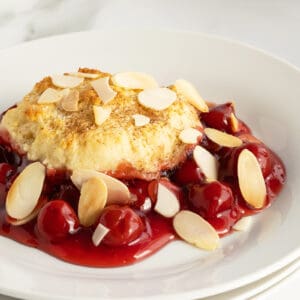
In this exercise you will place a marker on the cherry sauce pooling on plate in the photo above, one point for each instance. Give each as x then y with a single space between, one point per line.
137 231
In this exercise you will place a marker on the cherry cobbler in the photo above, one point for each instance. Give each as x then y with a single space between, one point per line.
103 170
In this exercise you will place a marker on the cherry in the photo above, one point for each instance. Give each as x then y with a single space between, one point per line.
139 190
219 117
57 220
261 152
5 172
187 173
210 199
124 225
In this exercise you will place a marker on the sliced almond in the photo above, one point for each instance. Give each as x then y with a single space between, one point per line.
206 162
30 217
103 89
23 195
243 224
251 180
190 135
85 75
93 197
100 232
167 203
134 80
140 120
195 230
157 98
50 95
66 81
234 122
101 114
222 138
118 192
189 92
69 101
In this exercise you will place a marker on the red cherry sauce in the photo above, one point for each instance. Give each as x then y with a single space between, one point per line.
138 231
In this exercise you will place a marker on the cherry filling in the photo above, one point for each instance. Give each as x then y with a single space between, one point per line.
137 231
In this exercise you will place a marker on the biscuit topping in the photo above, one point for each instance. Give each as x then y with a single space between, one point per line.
66 81
157 98
103 89
189 92
101 114
134 80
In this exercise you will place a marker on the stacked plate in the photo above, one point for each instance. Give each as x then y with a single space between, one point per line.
266 91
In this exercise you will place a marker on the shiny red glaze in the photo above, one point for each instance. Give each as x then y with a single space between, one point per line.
187 173
210 199
57 220
5 171
124 225
140 194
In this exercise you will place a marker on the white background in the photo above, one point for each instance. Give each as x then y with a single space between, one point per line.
271 25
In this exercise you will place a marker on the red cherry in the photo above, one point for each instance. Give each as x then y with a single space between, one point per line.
139 190
5 171
210 199
219 117
123 223
188 173
57 220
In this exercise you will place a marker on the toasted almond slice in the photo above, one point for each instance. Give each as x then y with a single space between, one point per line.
118 192
243 224
103 89
69 101
222 138
50 95
234 122
93 197
167 203
157 99
85 75
66 81
100 232
251 180
101 114
189 92
30 217
195 230
189 135
140 120
134 80
206 162
25 191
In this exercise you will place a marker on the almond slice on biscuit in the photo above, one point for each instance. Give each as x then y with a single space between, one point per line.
118 192
140 120
134 80
93 197
85 75
195 230
101 114
66 81
189 92
157 98
190 135
103 89
70 99
23 196
50 95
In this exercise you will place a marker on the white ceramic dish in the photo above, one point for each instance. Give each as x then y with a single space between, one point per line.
267 93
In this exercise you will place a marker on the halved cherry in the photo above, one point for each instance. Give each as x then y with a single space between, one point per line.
57 220
124 225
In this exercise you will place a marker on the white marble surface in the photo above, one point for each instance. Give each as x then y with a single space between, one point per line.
272 25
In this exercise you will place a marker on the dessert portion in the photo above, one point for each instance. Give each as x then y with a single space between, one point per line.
103 170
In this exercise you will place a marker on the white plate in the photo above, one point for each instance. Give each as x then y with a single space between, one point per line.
267 93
